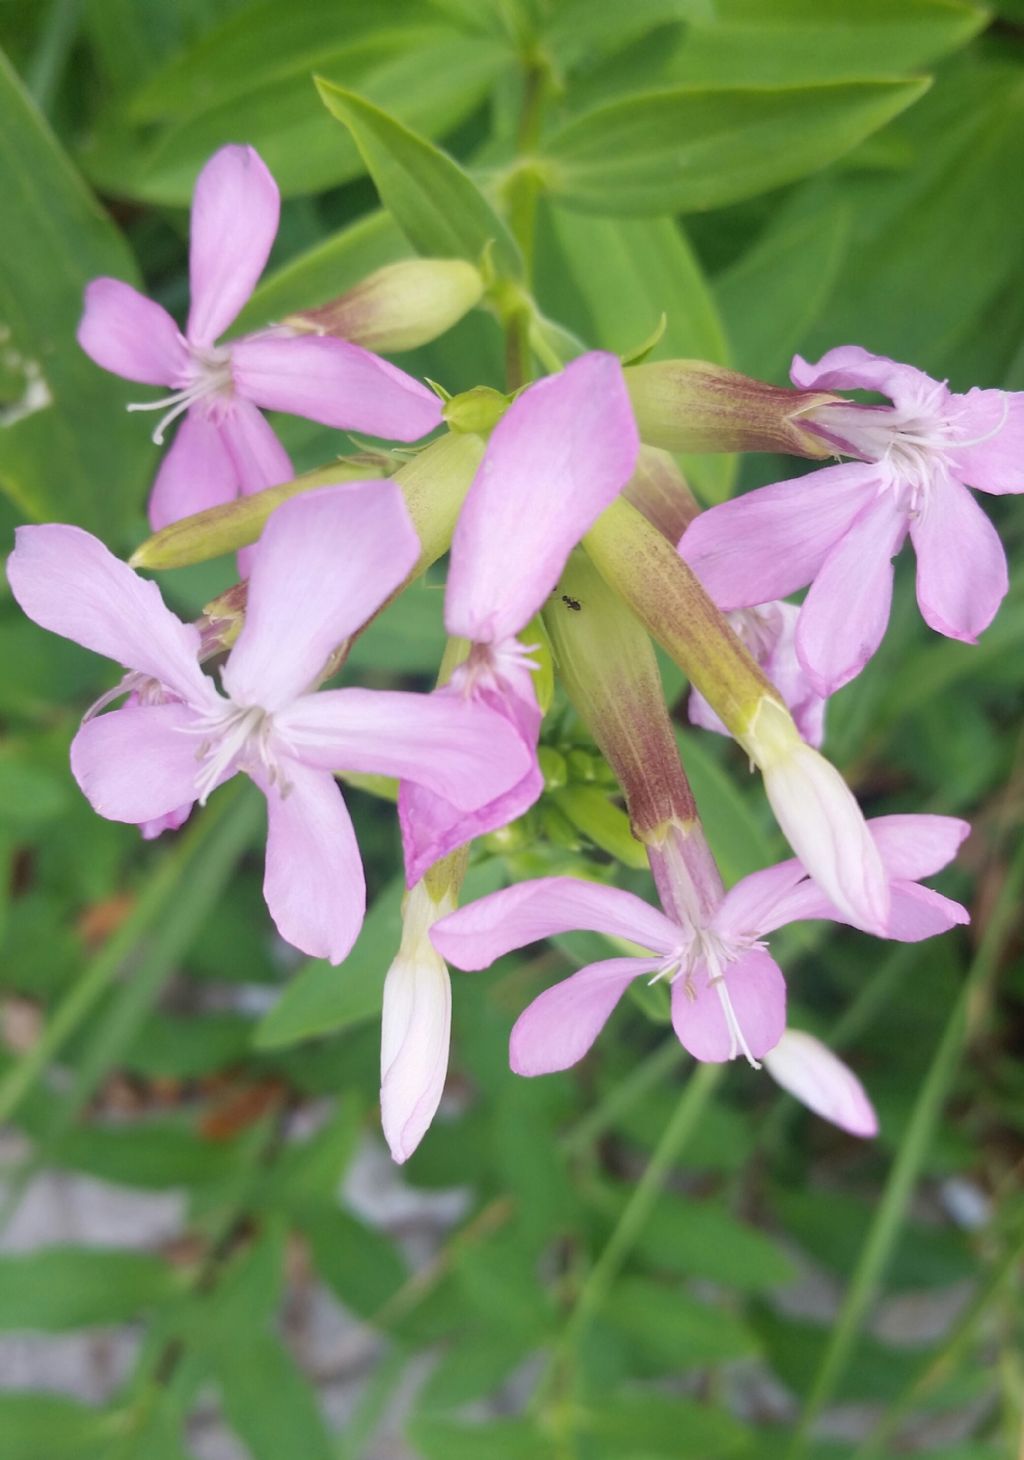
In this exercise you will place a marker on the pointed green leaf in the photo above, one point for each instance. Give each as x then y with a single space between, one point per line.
694 147
437 206
67 449
56 1288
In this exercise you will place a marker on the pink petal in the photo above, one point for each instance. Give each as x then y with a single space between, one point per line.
313 883
914 846
822 822
558 1028
781 664
804 1067
844 616
752 908
137 764
961 566
415 1036
770 542
68 582
258 457
849 367
432 827
456 748
919 912
333 382
561 453
150 830
235 210
757 991
474 936
131 335
326 561
197 472
992 421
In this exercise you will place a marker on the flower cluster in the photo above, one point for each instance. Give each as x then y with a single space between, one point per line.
561 510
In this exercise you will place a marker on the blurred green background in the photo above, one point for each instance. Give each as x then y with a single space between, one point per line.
195 1189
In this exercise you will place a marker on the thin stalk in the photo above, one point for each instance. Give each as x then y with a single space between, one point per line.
891 1211
51 54
100 973
945 1359
623 1095
636 1213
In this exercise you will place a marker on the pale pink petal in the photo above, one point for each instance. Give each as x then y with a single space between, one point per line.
334 382
849 367
256 453
753 906
432 827
150 830
415 1032
822 822
844 616
474 936
920 912
131 335
558 457
915 846
961 565
235 210
816 1077
781 664
458 749
326 561
772 541
196 473
137 764
313 882
559 1027
69 583
757 992
992 423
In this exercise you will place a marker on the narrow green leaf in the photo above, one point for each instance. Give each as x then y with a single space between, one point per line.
57 1288
34 1425
694 147
67 448
437 205
673 1329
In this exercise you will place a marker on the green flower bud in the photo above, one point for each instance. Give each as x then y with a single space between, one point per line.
399 307
692 405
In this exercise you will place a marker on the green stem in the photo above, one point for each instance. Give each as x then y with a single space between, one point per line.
888 1220
944 1361
100 973
55 42
623 1095
638 1209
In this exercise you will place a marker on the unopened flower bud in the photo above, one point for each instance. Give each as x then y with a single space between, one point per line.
478 410
415 1024
692 405
659 490
398 307
819 816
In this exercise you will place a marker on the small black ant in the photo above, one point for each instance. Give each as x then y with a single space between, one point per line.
572 603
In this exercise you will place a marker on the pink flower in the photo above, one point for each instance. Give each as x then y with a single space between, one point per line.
180 737
728 994
561 453
839 529
224 446
769 632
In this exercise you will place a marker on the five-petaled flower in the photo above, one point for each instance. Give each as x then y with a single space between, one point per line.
561 453
224 446
839 528
728 993
325 563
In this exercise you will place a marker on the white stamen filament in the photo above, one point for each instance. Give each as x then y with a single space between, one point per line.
212 377
709 948
229 737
